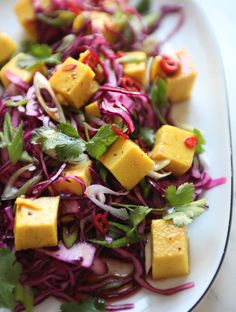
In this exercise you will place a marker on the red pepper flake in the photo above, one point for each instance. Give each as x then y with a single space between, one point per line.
130 84
69 67
191 142
120 54
119 132
91 60
169 64
101 223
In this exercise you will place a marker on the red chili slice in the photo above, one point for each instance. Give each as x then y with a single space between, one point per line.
73 6
130 84
69 67
91 60
101 223
119 132
169 64
120 54
191 142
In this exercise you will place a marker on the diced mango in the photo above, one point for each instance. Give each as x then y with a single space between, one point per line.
26 75
75 82
127 162
170 256
137 68
170 144
25 12
104 22
8 47
92 109
36 222
180 85
82 171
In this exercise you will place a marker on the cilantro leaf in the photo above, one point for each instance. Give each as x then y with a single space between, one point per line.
68 129
159 98
185 214
12 139
26 296
138 214
89 305
98 145
38 54
180 196
10 272
58 144
201 141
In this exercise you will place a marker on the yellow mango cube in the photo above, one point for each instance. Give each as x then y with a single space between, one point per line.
180 85
82 171
170 256
100 20
36 222
170 144
74 81
26 75
26 15
8 47
127 162
92 110
136 69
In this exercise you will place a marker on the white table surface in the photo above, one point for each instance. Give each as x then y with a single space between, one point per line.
222 15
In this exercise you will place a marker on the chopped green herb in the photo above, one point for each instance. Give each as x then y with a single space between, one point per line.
159 98
201 141
181 201
57 18
89 305
62 143
12 139
98 145
11 103
25 296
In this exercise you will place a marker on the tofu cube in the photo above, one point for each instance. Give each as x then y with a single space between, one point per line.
100 20
8 47
26 15
26 75
74 81
170 256
180 85
136 69
127 162
170 144
92 110
36 222
82 171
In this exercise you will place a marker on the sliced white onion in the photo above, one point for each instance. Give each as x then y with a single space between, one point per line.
40 82
159 165
96 193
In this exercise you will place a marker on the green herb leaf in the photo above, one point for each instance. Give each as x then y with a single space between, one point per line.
185 214
138 214
98 145
159 98
11 103
58 144
57 18
180 196
25 296
120 226
10 272
201 141
89 305
12 139
68 129
143 6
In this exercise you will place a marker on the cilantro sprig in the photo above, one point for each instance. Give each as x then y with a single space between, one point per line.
183 208
199 149
65 144
12 139
38 54
11 291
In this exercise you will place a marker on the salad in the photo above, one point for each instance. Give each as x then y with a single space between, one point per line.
98 183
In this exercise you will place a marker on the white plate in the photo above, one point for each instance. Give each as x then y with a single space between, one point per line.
208 111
